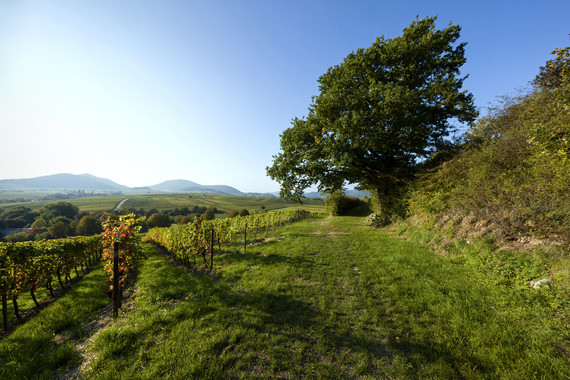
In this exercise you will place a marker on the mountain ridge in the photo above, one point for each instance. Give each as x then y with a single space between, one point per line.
88 182
61 182
66 182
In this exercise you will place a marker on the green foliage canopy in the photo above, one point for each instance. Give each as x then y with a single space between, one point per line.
88 226
209 214
158 220
338 203
378 113
65 209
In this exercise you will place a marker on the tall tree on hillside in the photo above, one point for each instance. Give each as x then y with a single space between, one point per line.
378 114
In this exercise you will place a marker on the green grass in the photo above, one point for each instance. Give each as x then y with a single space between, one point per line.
25 301
46 345
87 204
333 299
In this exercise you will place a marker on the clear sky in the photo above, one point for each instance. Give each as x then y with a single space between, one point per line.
145 91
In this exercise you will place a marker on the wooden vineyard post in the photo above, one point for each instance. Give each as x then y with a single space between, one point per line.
244 237
116 292
4 291
4 308
16 309
212 249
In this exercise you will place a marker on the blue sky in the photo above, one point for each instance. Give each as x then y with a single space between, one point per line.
145 91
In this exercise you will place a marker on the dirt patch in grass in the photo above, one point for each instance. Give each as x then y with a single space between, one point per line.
336 232
265 240
304 281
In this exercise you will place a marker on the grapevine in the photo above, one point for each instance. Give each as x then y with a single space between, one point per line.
192 239
125 231
34 265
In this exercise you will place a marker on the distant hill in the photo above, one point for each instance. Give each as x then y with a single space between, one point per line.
184 186
354 193
66 183
61 182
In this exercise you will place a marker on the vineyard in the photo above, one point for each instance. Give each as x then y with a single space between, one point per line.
32 266
35 265
186 242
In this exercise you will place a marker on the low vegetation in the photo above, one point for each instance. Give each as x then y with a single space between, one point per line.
322 298
511 172
83 216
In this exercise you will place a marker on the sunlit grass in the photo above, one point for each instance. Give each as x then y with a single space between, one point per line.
224 203
170 201
45 346
26 303
325 298
333 299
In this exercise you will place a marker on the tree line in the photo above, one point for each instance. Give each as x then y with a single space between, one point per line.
52 221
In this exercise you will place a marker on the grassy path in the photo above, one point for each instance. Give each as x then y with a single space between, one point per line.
334 299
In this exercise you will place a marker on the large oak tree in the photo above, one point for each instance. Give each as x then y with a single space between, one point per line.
378 114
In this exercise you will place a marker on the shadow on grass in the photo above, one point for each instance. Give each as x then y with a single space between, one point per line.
213 303
47 341
28 312
259 257
207 289
280 312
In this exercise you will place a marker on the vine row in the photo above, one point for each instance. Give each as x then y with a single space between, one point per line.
186 242
34 265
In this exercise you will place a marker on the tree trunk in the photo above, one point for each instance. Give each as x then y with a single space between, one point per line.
59 278
49 287
382 209
16 310
32 290
4 310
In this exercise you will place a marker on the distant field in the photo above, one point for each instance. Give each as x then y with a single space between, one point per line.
88 204
224 203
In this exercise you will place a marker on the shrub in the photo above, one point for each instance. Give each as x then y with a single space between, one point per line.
209 214
338 204
19 236
513 167
158 220
186 219
88 226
